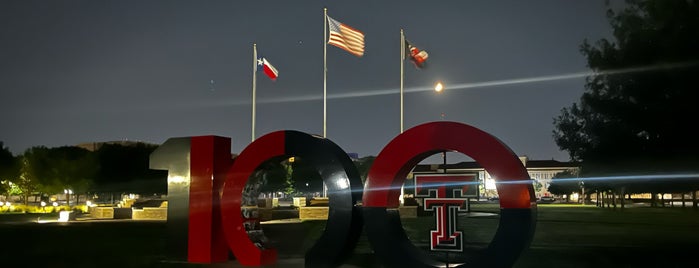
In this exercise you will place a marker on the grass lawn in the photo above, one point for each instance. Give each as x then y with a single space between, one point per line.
566 236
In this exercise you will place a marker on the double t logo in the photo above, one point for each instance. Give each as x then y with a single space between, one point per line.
445 194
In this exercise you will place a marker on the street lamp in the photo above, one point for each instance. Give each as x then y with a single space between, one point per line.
68 192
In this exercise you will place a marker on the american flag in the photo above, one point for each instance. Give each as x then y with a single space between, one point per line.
346 37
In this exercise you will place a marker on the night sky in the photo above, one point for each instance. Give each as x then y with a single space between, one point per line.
88 71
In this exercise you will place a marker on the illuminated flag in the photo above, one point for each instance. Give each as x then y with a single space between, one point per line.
345 37
417 56
265 66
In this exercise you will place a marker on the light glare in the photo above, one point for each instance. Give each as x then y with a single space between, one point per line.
438 87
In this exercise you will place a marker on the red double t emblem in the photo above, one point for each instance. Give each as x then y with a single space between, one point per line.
445 195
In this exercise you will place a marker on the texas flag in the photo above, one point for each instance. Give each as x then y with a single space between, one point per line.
264 65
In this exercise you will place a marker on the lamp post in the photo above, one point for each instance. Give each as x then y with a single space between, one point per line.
308 195
68 192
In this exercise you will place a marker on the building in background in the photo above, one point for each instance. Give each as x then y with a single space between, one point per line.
541 172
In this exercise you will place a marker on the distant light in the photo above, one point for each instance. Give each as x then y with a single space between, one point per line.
292 159
8 204
43 204
88 203
63 216
55 204
439 87
1 203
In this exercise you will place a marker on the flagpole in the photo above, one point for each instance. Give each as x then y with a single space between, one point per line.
325 69
325 78
402 58
254 82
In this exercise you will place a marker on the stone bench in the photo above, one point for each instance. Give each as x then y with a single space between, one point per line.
101 212
299 201
313 213
149 213
319 202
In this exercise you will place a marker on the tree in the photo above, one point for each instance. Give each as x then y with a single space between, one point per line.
289 185
34 170
8 163
125 169
564 183
53 170
271 176
305 176
364 165
9 170
71 170
638 110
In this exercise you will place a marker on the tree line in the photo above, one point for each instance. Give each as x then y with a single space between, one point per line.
116 168
43 171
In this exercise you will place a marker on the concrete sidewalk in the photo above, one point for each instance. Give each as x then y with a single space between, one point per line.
289 262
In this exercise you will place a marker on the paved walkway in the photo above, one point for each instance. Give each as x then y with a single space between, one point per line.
282 262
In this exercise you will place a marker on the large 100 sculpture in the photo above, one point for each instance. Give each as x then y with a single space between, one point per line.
205 193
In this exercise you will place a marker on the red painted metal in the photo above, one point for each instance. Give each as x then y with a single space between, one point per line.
261 150
398 158
210 158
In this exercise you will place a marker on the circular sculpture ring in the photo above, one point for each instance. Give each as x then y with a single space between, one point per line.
396 160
